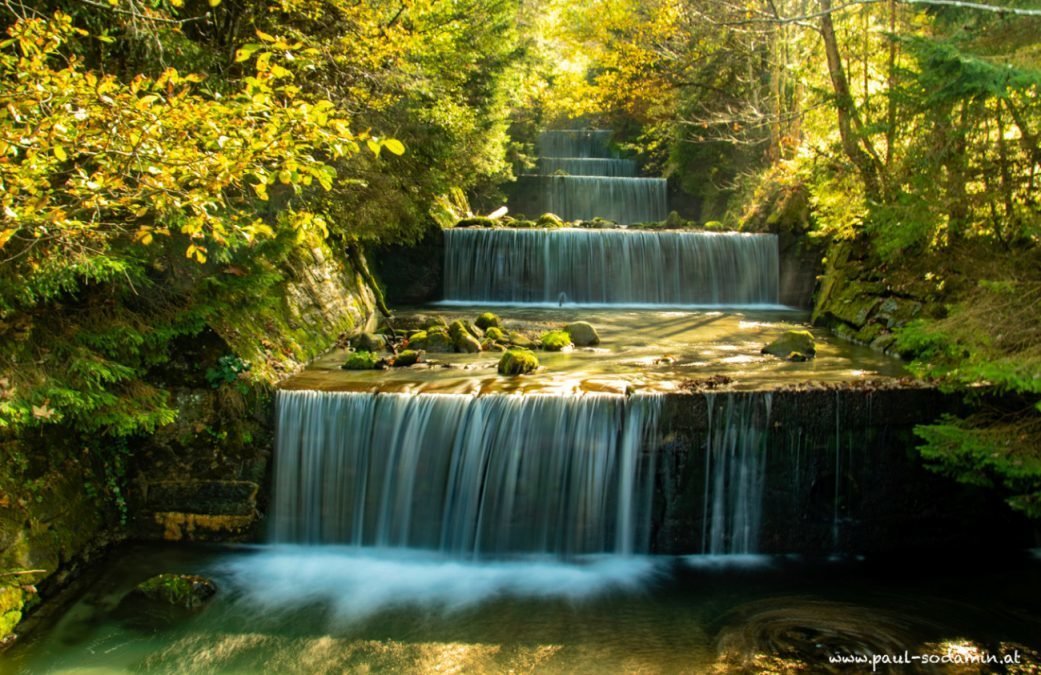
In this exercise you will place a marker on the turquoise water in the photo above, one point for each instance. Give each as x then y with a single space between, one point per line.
333 609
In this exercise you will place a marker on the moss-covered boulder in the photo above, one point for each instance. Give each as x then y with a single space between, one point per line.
550 220
582 333
436 340
369 342
467 344
495 333
362 360
520 340
555 340
792 342
182 590
518 362
524 224
487 320
460 327
406 358
489 345
435 321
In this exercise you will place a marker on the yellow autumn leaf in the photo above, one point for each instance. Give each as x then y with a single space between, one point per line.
214 3
373 146
6 235
395 146
59 152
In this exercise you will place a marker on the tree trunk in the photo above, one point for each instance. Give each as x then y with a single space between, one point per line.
848 117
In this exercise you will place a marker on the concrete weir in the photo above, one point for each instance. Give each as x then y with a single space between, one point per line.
807 471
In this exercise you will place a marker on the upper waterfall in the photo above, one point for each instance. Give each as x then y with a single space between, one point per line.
579 179
610 267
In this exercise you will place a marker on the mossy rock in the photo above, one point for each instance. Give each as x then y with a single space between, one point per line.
406 358
489 345
437 340
487 320
792 341
467 344
520 340
476 221
518 362
674 221
182 590
550 220
797 357
495 333
368 342
714 225
436 321
362 360
460 327
555 340
524 224
582 333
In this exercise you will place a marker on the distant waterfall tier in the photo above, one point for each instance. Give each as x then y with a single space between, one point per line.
578 166
623 200
468 475
620 267
575 143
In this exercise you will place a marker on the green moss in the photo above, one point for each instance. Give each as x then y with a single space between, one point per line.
524 224
518 362
476 221
487 320
8 621
183 590
361 360
495 333
555 340
467 344
406 358
550 220
520 340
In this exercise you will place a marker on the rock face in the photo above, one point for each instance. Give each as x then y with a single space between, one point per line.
517 362
182 590
794 345
582 333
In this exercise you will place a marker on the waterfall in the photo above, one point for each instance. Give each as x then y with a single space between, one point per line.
594 184
463 474
610 267
581 166
735 472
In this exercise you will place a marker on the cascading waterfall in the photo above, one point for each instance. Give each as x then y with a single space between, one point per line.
735 472
610 267
467 475
578 179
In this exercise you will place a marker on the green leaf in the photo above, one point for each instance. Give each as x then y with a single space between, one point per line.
246 51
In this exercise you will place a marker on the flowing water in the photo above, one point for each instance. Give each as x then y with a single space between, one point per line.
579 179
301 609
610 267
471 476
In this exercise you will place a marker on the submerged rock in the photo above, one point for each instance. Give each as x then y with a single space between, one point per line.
518 362
487 320
555 340
791 342
369 342
182 590
582 333
362 360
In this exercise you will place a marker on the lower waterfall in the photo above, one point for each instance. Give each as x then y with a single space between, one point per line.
468 475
